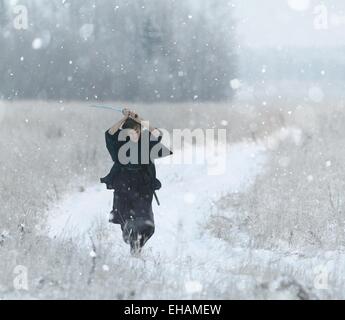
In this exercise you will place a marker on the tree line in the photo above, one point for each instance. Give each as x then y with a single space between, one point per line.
132 50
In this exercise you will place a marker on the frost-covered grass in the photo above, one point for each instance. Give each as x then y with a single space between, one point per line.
296 208
298 202
271 234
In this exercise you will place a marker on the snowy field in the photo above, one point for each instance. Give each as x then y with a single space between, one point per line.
185 251
181 246
270 227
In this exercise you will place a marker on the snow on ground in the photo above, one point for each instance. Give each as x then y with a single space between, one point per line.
186 197
186 201
180 242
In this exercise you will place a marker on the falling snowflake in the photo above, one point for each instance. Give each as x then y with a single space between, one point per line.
235 84
105 268
310 178
37 44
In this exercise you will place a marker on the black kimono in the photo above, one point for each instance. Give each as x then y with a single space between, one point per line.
133 185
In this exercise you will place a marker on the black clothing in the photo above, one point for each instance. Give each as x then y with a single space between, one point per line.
132 207
132 197
133 185
113 145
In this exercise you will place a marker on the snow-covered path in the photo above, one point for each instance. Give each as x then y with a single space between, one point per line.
186 202
181 246
186 198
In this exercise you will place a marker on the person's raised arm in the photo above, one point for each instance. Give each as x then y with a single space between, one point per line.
118 124
111 137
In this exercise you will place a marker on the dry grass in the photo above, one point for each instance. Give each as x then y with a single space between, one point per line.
49 149
299 200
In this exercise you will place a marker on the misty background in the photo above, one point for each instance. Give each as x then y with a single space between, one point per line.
291 50
118 50
172 51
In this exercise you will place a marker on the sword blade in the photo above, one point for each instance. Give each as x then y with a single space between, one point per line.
107 108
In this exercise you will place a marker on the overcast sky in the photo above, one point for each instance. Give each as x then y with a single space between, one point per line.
290 22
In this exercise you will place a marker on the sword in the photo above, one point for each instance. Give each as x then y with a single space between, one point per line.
117 109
